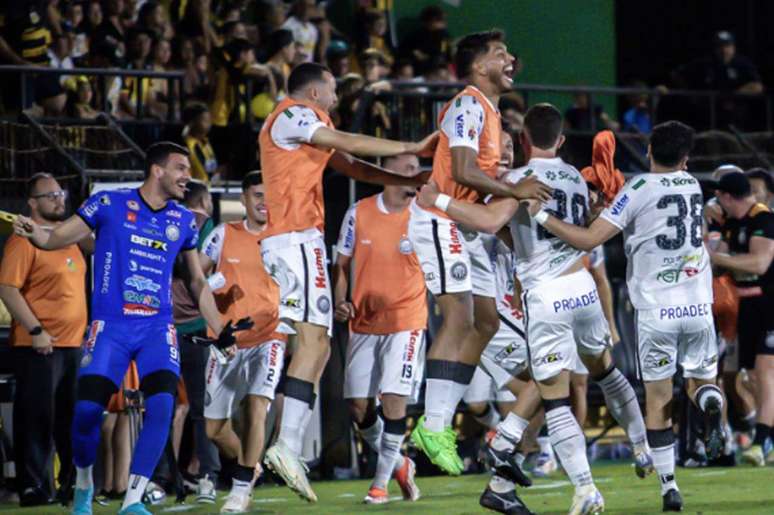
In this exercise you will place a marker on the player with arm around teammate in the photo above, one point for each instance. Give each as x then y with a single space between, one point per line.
297 143
670 283
387 317
139 232
561 303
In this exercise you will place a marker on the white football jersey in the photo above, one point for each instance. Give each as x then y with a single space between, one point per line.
504 267
660 215
541 256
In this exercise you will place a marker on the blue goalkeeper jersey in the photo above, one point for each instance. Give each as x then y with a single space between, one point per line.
135 253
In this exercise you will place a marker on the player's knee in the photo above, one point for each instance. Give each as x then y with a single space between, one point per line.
160 381
477 408
213 427
95 388
358 410
487 327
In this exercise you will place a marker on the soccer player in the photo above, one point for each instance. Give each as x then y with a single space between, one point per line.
456 268
387 317
297 142
244 289
561 303
670 284
749 235
139 232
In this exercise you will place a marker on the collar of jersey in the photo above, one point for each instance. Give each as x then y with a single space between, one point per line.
485 98
551 160
142 199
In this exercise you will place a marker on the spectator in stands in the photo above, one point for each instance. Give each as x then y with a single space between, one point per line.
193 358
372 34
204 165
159 88
153 18
512 111
337 58
637 118
24 40
304 30
762 184
193 21
403 70
579 115
281 53
111 31
184 60
79 100
375 65
85 30
271 16
430 40
232 30
45 293
59 55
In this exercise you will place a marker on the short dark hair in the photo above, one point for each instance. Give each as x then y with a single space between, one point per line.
472 46
254 178
543 123
158 153
671 142
762 174
431 13
193 111
32 182
305 73
195 191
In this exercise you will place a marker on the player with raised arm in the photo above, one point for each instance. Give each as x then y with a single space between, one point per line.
297 142
561 303
670 284
456 268
139 232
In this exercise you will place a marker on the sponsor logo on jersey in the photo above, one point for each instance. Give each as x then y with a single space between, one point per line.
672 275
507 351
148 242
459 126
70 264
472 133
143 299
411 348
95 328
287 113
617 208
459 271
291 303
690 311
274 354
639 184
455 245
579 301
133 205
174 213
139 310
172 233
319 263
468 235
324 304
405 247
147 255
708 362
106 268
553 357
131 217
676 181
558 260
551 176
142 283
656 361
90 209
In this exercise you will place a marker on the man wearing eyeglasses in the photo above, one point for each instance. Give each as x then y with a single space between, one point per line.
45 293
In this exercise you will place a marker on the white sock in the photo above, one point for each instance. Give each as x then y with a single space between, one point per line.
501 485
490 418
373 434
569 444
437 399
135 490
292 427
456 394
544 443
622 403
509 433
389 455
706 392
241 487
83 478
664 463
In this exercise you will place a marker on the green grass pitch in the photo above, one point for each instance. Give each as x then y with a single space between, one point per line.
740 490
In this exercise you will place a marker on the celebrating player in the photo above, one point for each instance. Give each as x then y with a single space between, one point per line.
243 289
139 232
297 142
456 268
670 283
558 316
388 317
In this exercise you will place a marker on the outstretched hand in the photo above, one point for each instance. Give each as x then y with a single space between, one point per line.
426 147
531 188
428 194
226 338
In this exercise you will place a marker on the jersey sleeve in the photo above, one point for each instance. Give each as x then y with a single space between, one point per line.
346 244
463 122
294 126
763 226
213 243
94 211
192 238
597 256
626 204
18 257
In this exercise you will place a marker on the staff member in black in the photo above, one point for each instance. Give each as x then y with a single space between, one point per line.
748 234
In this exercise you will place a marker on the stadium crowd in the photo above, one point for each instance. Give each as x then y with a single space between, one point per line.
252 328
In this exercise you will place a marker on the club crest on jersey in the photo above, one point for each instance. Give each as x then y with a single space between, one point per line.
405 246
172 233
133 205
104 200
617 208
324 304
459 271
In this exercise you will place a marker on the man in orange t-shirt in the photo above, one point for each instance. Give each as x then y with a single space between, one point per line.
242 288
45 292
388 317
297 142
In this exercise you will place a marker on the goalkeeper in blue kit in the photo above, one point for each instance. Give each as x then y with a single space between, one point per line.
139 233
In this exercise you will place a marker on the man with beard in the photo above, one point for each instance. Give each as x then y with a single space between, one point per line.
139 232
387 314
45 293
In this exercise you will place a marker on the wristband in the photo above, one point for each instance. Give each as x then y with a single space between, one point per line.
442 202
36 330
541 217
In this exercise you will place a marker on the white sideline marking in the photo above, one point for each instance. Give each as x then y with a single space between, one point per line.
270 499
344 496
548 486
180 507
711 473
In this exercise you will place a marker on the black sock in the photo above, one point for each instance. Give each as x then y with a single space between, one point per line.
243 473
762 432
